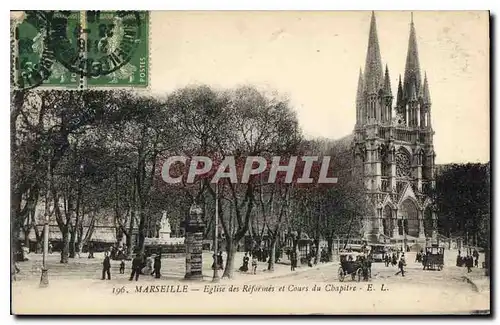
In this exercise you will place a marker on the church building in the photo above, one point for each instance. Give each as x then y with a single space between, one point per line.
393 148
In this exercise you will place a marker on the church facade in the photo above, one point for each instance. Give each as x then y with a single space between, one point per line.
393 148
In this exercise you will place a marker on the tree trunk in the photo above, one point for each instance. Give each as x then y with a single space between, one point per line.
13 245
142 233
330 249
72 242
65 245
231 251
272 255
27 231
316 258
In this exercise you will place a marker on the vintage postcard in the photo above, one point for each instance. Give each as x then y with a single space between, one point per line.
250 162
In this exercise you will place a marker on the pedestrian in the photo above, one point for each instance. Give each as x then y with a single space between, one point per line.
294 260
244 267
254 265
386 260
220 261
470 263
475 254
157 266
106 266
136 267
91 250
122 267
394 260
50 248
401 265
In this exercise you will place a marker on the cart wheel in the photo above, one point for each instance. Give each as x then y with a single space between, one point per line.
341 275
358 274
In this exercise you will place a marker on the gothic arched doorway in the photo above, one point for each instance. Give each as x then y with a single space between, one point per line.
408 212
387 221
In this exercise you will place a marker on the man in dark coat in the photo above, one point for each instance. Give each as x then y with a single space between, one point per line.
136 267
293 263
91 250
157 266
220 261
106 267
401 265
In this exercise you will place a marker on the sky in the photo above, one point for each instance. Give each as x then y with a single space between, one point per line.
314 58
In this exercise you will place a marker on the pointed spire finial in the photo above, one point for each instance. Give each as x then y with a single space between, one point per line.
373 66
412 67
400 96
387 82
426 96
359 95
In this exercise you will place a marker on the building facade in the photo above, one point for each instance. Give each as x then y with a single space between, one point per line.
393 148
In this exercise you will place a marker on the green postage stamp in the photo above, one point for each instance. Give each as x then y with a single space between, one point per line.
80 49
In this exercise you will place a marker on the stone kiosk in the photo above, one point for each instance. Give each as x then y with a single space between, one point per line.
194 241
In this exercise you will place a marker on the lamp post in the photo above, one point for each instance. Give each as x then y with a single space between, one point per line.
405 239
216 225
44 280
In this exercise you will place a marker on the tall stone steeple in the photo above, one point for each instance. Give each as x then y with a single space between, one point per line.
373 64
426 96
412 69
387 98
360 110
400 102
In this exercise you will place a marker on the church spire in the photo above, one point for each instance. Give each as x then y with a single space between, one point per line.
412 69
426 96
359 95
400 96
387 82
360 111
373 65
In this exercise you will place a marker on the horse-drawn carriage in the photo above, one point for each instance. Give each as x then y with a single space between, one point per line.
353 264
433 258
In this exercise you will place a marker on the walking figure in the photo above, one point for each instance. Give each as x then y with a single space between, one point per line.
157 266
244 267
475 254
91 250
401 265
293 261
254 265
136 267
122 267
469 263
106 266
220 261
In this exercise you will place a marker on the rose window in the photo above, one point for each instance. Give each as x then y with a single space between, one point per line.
403 165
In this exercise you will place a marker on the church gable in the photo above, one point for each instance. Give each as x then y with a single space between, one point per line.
408 193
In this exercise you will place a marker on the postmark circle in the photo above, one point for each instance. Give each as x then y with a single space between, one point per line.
97 44
35 56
